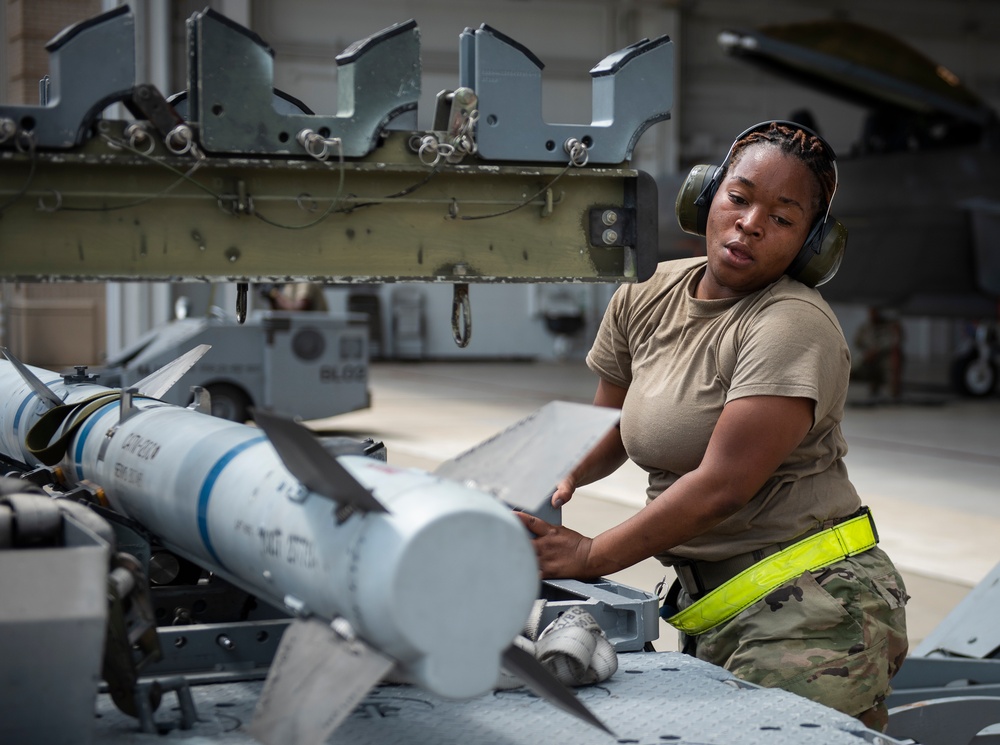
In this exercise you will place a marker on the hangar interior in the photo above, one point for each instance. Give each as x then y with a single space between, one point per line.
926 459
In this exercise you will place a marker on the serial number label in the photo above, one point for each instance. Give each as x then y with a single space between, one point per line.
293 549
128 475
141 447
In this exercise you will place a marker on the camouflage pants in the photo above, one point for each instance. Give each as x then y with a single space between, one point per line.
836 636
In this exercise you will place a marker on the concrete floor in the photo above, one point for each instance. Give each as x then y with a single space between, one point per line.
929 467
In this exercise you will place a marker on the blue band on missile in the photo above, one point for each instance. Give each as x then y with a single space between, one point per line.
27 400
85 430
206 493
21 408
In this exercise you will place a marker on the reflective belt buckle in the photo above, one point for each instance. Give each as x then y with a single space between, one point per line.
856 535
871 520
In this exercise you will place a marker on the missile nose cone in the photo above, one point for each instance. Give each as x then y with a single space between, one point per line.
460 591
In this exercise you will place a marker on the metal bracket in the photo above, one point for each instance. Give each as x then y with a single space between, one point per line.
378 80
91 65
80 375
632 89
147 696
197 651
126 408
39 476
201 400
454 124
612 226
148 103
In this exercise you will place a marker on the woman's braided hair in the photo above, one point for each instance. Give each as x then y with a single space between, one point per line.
807 147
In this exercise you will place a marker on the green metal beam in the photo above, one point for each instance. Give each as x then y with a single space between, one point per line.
105 211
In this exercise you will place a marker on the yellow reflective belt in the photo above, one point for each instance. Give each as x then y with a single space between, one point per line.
849 538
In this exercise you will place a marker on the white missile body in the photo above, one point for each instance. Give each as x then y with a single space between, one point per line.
441 582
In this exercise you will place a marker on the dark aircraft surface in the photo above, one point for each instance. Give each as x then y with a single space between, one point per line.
919 191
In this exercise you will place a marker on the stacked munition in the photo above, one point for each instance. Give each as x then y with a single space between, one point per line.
405 556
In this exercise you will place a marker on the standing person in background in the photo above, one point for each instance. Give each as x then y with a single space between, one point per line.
731 372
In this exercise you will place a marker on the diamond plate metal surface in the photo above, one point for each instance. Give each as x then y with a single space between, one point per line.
662 697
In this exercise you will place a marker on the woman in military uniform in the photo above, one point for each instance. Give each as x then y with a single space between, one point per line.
731 372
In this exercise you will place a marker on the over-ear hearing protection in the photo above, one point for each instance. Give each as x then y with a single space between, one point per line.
823 250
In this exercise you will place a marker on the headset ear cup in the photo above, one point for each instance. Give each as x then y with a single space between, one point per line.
819 258
694 199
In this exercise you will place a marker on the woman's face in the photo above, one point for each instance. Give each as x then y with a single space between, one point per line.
757 222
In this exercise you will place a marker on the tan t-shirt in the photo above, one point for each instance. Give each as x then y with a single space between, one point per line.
682 359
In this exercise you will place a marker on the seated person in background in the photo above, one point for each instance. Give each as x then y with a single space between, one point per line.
294 296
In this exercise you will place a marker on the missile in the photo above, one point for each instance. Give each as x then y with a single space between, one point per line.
388 566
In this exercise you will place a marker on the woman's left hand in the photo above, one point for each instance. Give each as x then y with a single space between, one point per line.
562 553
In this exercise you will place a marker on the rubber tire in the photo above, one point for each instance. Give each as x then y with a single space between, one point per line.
972 376
229 402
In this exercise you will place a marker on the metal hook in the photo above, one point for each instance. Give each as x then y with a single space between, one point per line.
241 301
461 315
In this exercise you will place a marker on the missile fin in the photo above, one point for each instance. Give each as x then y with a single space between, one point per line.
159 382
542 448
41 390
545 685
311 464
317 678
